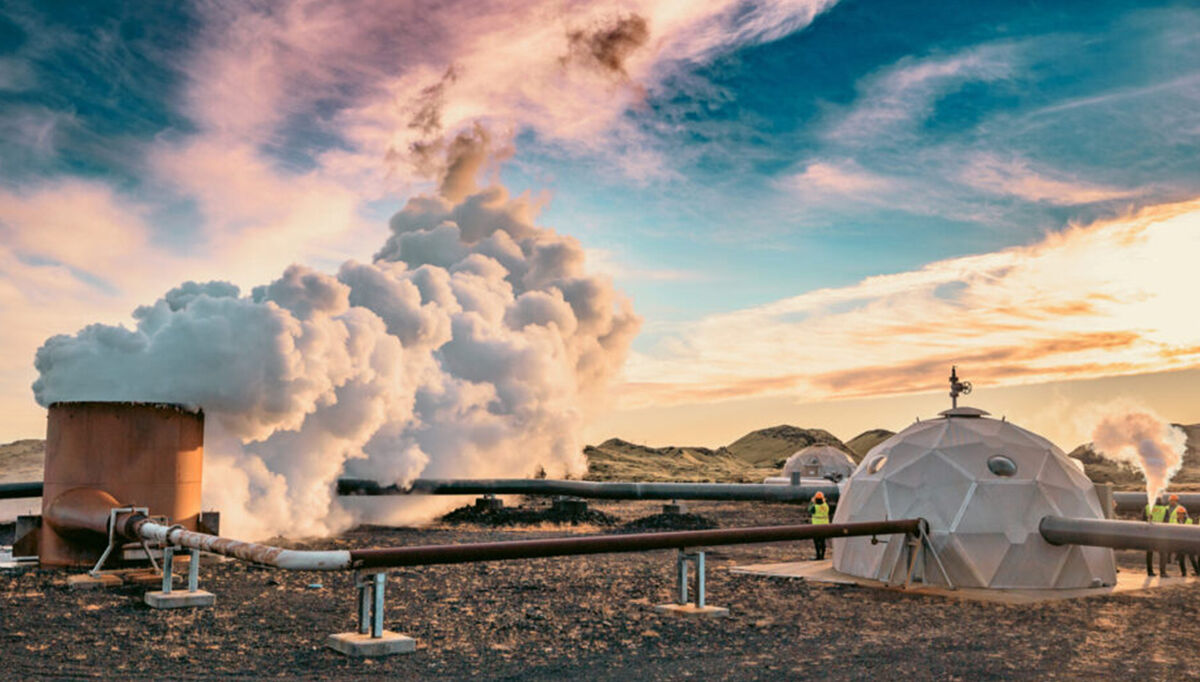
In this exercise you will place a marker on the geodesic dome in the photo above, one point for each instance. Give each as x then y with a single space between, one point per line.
983 485
819 461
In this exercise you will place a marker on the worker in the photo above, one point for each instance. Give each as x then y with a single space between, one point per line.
1156 513
1180 516
818 512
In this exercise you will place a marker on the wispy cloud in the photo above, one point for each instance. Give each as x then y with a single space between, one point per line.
1095 300
1020 178
894 101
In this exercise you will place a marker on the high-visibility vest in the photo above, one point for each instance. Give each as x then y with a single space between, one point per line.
820 512
1157 513
1175 517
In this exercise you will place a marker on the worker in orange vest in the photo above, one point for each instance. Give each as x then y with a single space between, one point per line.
1181 517
818 513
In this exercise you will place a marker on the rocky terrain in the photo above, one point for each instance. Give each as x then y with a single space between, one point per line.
588 618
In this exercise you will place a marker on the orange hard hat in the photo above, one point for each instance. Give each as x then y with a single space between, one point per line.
1180 510
1173 498
819 496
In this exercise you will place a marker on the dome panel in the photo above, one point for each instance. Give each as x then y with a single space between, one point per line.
984 552
1031 564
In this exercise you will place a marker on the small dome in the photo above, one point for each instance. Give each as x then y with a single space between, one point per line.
819 461
983 485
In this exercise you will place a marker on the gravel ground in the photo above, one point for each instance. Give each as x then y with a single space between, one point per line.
588 617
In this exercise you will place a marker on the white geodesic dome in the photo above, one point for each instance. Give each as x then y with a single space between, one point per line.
983 485
819 461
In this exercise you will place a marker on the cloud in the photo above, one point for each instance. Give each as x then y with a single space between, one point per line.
474 344
1018 178
894 101
1096 300
842 178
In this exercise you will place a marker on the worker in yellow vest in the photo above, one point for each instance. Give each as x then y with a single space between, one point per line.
1181 517
818 512
1156 513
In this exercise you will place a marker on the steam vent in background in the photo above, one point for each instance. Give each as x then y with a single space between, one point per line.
145 455
983 485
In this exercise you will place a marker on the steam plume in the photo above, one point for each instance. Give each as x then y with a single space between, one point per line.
1141 439
473 345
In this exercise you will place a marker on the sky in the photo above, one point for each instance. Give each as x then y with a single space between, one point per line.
815 207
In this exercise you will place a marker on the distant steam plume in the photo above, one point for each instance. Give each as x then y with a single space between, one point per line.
1141 439
473 345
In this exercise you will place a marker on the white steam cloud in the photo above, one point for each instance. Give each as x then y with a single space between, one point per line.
473 346
1140 438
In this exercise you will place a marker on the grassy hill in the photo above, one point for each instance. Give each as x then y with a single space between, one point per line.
618 460
770 448
863 442
750 458
21 460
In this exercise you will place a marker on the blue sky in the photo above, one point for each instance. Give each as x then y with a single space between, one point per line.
743 155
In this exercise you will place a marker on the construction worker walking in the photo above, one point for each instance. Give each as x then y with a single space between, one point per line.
818 512
1180 516
1156 513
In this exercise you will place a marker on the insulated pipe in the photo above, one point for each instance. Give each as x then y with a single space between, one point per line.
612 491
1156 537
16 491
1136 501
136 525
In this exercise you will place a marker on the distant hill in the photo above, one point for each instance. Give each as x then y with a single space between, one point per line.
1122 476
22 460
771 447
618 460
863 442
750 458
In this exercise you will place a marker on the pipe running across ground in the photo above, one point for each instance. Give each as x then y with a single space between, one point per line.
755 492
1152 537
138 526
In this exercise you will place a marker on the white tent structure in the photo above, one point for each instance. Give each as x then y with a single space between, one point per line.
816 464
983 485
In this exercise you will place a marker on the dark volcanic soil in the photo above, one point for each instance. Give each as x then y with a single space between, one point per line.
590 618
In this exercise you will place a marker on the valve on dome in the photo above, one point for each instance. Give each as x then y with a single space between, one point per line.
957 387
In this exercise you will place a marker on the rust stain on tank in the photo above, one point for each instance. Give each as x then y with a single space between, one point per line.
143 454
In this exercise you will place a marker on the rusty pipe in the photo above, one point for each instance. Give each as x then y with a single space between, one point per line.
80 512
602 544
621 490
1154 537
390 557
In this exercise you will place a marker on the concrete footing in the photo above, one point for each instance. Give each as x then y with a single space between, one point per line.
674 508
180 600
93 582
691 610
364 645
489 503
569 506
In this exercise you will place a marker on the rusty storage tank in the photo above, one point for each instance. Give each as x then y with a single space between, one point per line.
143 454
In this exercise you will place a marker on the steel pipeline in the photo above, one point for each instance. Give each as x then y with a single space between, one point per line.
1156 537
15 491
761 492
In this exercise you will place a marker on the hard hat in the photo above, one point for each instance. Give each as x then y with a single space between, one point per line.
1180 510
1174 498
819 496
